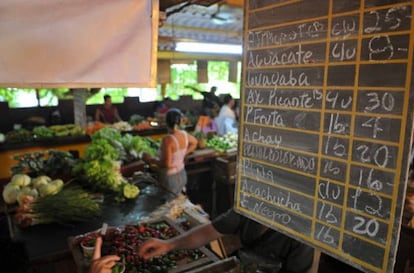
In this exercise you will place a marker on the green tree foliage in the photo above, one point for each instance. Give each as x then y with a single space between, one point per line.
117 95
218 71
184 74
8 95
14 96
49 97
51 94
181 75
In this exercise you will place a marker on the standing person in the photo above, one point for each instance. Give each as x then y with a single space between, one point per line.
226 119
174 147
108 112
211 102
281 253
163 106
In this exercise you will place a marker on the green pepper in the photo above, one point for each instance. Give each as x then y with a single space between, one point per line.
115 269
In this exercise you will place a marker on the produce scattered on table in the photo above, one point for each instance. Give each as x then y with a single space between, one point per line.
126 241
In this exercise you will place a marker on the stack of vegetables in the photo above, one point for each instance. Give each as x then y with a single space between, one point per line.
67 130
50 162
19 136
140 123
122 126
68 205
21 186
100 168
43 200
94 127
43 132
136 119
223 143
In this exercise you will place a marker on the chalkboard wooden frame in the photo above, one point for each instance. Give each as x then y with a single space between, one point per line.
326 123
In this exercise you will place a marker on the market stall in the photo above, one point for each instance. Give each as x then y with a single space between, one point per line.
46 242
75 144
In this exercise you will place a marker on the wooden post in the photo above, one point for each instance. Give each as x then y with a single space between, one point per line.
163 89
202 71
80 95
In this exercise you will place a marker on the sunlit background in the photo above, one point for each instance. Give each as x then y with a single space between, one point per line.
181 75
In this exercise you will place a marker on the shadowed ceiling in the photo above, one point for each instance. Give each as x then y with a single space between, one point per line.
212 21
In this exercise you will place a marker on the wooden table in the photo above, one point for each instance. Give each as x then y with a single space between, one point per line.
47 242
184 265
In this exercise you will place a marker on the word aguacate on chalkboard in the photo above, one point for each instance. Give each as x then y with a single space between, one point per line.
325 127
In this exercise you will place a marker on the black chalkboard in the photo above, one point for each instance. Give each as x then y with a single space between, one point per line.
344 6
326 123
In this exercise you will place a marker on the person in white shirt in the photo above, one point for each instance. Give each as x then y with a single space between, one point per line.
226 119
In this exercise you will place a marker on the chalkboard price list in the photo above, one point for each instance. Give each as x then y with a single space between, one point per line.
325 125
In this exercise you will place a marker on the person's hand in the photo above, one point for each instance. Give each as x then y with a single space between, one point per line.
102 264
154 247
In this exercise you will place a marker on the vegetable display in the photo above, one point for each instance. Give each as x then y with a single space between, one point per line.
51 163
22 186
223 143
90 239
136 119
93 127
67 206
139 122
43 132
67 130
101 148
103 175
19 136
126 242
100 168
143 125
127 147
122 126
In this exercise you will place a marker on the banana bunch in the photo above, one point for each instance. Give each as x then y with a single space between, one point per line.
67 130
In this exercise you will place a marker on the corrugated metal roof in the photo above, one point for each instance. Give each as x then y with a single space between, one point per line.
218 22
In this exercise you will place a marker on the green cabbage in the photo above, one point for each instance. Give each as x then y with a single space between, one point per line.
40 181
20 180
48 189
10 193
26 191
